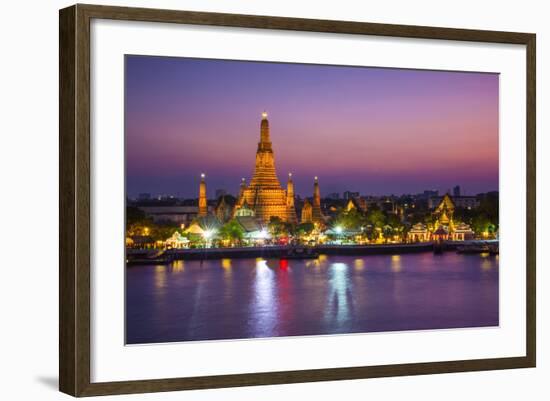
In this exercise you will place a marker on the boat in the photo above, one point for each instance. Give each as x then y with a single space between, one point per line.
300 253
147 258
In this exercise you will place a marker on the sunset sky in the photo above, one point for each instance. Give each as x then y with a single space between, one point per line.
372 130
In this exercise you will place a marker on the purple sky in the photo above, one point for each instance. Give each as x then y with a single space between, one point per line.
372 130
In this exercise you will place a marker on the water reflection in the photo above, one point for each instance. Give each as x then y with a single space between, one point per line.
264 306
320 261
178 266
396 263
247 298
160 277
226 266
489 261
339 298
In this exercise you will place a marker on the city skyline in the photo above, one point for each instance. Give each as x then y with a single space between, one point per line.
215 193
370 130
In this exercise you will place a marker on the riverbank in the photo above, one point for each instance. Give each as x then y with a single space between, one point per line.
282 251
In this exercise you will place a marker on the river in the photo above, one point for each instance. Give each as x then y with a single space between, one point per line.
251 298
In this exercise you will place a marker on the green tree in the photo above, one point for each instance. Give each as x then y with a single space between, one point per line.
304 228
232 231
376 218
134 215
387 232
481 223
277 227
162 232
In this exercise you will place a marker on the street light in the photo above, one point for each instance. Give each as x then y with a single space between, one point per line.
208 234
339 231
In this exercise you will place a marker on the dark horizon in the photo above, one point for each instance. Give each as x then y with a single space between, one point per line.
375 131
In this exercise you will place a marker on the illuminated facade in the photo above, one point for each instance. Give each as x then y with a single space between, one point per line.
444 226
444 213
292 218
203 204
307 212
418 233
317 213
264 195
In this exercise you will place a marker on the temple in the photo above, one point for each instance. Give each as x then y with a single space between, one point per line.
444 227
264 195
264 198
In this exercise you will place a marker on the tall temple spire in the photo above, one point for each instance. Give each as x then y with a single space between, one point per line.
265 141
242 188
203 204
290 200
264 194
317 214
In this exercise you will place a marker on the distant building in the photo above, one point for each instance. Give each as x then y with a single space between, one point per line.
462 232
144 196
444 225
418 233
456 191
174 214
466 202
350 195
164 197
358 204
224 208
333 196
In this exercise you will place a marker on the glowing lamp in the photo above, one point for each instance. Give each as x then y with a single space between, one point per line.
208 234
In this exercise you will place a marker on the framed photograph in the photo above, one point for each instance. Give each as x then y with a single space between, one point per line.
250 200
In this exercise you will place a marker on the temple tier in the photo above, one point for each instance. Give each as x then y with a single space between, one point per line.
264 195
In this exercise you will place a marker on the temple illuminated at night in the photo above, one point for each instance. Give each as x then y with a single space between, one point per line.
264 197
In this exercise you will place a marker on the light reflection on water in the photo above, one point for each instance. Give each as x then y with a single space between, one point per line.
264 306
339 297
396 263
178 265
246 298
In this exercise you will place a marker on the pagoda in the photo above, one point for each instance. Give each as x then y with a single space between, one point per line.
203 203
264 194
317 214
444 213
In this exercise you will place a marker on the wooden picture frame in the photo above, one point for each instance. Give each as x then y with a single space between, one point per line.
74 204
